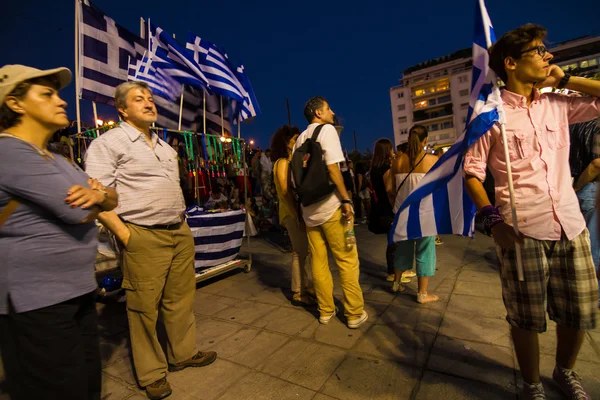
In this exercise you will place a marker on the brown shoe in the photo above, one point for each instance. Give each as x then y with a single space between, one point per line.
199 360
159 389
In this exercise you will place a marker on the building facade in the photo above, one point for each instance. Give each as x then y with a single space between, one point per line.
436 93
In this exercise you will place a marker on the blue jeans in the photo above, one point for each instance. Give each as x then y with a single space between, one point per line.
587 204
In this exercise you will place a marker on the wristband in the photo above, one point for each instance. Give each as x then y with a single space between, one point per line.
491 217
347 201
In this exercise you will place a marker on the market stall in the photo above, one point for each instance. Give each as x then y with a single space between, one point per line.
204 160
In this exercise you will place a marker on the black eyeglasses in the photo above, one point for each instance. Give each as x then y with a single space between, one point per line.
541 50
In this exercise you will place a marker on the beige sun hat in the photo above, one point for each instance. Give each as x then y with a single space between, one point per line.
12 75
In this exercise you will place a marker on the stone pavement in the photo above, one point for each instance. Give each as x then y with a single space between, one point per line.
458 348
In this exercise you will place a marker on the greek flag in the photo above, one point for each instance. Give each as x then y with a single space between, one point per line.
161 84
216 67
217 237
248 108
105 49
440 204
174 59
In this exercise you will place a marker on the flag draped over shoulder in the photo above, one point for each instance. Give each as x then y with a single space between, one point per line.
440 204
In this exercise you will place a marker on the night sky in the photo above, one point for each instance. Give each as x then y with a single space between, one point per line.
349 51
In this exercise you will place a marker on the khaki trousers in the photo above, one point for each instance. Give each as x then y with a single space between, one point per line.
300 282
332 233
159 277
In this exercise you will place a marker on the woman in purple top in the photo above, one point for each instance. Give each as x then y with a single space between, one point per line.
48 324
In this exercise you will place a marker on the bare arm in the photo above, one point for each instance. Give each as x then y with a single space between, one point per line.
113 223
590 174
281 174
477 192
388 181
584 85
336 177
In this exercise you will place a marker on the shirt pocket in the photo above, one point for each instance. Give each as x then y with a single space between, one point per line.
554 136
518 146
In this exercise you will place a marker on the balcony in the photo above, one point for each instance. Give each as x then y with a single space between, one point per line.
424 115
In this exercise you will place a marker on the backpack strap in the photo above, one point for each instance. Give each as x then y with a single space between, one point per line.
316 132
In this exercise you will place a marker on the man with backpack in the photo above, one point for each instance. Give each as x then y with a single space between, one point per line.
327 212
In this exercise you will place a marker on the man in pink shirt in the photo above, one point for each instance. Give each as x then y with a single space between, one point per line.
560 277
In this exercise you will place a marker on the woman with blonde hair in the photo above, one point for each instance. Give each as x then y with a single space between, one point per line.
408 170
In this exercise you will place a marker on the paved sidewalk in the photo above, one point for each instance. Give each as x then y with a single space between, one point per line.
458 348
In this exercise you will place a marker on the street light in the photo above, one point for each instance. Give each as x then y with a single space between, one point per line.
222 139
111 123
252 142
99 122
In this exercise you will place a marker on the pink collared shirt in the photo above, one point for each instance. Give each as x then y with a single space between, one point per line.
538 143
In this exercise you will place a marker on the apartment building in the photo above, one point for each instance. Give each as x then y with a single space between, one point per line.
436 93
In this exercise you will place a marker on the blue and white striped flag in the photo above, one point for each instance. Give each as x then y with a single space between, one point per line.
105 49
440 203
216 67
161 84
249 107
174 60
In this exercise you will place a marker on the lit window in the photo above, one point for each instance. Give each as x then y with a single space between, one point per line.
419 92
593 62
442 86
584 64
573 66
565 68
421 104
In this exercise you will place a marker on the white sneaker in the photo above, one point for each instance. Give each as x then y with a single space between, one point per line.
356 323
324 319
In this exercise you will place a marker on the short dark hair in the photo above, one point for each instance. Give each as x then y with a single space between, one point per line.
311 107
9 118
511 44
280 140
403 147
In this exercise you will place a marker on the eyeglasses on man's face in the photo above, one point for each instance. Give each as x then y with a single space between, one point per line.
541 50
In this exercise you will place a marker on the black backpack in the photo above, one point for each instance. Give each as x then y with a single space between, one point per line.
311 176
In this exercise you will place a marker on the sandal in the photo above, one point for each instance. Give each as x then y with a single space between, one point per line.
409 274
398 287
424 298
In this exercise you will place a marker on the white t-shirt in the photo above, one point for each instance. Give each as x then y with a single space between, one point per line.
319 213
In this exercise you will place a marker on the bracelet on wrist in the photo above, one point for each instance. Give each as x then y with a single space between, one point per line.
491 217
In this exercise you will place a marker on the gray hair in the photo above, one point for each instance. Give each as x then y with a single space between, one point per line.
124 88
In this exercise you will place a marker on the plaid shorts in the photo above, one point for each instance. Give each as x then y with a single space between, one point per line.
559 277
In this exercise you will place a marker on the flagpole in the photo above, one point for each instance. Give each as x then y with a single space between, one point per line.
204 111
181 106
511 188
77 88
95 117
222 119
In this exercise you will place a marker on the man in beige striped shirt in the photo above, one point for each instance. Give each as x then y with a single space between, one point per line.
158 246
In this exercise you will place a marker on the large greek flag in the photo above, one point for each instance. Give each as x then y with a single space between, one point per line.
105 49
440 203
160 83
248 108
174 59
216 67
